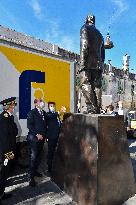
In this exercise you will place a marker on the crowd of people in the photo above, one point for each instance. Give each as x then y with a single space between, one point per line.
43 126
110 110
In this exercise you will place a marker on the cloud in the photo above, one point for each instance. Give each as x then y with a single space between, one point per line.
54 34
68 43
120 7
35 5
8 19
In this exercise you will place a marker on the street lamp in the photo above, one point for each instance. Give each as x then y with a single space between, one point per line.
108 43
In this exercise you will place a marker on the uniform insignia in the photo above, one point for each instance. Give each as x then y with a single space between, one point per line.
6 115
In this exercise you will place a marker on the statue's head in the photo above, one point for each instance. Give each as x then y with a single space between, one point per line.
90 19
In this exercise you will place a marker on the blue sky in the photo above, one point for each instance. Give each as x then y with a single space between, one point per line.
59 22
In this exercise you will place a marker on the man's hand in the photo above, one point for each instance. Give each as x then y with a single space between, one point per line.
39 137
63 109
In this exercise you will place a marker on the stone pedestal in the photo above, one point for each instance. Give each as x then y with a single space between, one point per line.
92 162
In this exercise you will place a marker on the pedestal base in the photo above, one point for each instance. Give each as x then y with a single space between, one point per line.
92 162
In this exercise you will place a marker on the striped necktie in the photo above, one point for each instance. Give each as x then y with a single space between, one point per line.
41 112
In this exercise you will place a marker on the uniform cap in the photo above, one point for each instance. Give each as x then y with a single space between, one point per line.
8 101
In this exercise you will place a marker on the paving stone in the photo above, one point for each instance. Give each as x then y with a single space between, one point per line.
45 193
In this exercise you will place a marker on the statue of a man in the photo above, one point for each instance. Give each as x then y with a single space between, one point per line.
92 55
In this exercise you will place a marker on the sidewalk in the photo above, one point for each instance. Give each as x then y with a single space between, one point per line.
132 150
45 193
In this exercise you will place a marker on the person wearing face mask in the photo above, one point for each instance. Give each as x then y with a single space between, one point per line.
36 124
53 128
8 133
110 110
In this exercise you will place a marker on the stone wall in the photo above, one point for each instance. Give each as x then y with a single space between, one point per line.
117 85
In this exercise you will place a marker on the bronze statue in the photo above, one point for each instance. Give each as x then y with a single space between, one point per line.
92 55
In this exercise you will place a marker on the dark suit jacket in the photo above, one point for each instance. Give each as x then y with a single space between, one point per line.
35 123
53 125
8 133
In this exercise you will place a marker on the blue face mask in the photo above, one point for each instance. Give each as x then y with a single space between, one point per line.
52 109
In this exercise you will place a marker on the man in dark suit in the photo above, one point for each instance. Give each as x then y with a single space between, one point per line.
8 133
53 128
36 123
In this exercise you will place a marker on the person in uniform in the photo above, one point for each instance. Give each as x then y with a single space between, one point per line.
53 129
8 133
36 123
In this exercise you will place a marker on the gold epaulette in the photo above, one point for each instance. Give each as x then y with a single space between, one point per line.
9 155
5 115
